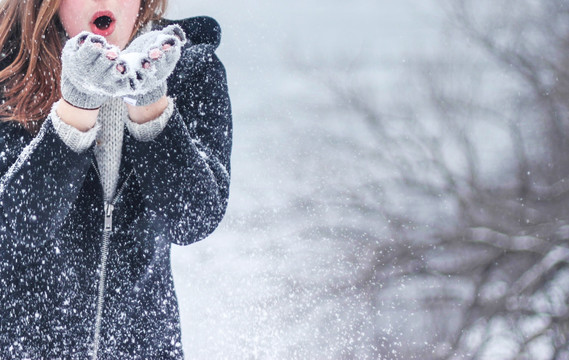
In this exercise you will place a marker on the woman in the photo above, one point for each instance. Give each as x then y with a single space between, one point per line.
108 154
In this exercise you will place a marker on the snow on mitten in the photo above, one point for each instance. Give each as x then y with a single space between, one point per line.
90 71
149 60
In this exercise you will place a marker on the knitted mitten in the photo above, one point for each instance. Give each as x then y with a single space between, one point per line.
90 71
149 60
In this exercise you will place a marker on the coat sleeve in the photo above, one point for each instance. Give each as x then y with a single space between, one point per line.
40 180
184 172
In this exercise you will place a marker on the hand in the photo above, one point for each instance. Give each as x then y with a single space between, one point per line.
148 61
91 72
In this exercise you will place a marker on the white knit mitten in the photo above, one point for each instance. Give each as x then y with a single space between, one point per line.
90 71
149 60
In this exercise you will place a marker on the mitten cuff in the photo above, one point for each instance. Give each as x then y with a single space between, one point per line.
152 96
151 129
77 140
80 99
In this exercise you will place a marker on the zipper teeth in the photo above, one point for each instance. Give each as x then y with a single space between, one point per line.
101 292
122 187
104 256
96 169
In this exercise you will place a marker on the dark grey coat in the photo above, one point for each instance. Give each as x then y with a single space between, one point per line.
52 218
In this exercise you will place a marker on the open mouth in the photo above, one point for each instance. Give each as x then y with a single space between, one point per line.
103 23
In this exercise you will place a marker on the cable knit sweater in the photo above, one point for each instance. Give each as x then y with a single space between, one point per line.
108 133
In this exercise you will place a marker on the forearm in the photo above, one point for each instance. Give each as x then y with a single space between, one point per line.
81 119
84 120
180 184
38 190
143 114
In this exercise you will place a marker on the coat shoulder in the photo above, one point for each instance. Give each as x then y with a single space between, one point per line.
199 29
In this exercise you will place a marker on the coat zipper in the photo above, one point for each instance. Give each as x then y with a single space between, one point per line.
107 231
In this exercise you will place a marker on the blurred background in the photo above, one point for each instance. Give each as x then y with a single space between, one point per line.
398 183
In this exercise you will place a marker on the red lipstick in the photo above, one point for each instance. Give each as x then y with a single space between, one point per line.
103 23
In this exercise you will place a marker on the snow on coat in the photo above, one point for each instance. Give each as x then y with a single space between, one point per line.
52 219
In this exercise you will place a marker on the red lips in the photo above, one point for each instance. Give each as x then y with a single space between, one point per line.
103 23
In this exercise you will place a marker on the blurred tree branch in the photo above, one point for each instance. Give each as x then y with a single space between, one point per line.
499 234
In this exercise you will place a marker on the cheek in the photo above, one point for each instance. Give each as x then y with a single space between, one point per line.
130 9
128 15
70 15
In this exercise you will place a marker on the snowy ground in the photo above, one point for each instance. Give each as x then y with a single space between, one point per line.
233 287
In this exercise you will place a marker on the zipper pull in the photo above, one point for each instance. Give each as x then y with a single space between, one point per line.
109 216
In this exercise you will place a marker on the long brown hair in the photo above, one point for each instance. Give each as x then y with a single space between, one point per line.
30 67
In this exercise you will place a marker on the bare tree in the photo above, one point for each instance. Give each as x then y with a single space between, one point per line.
465 193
